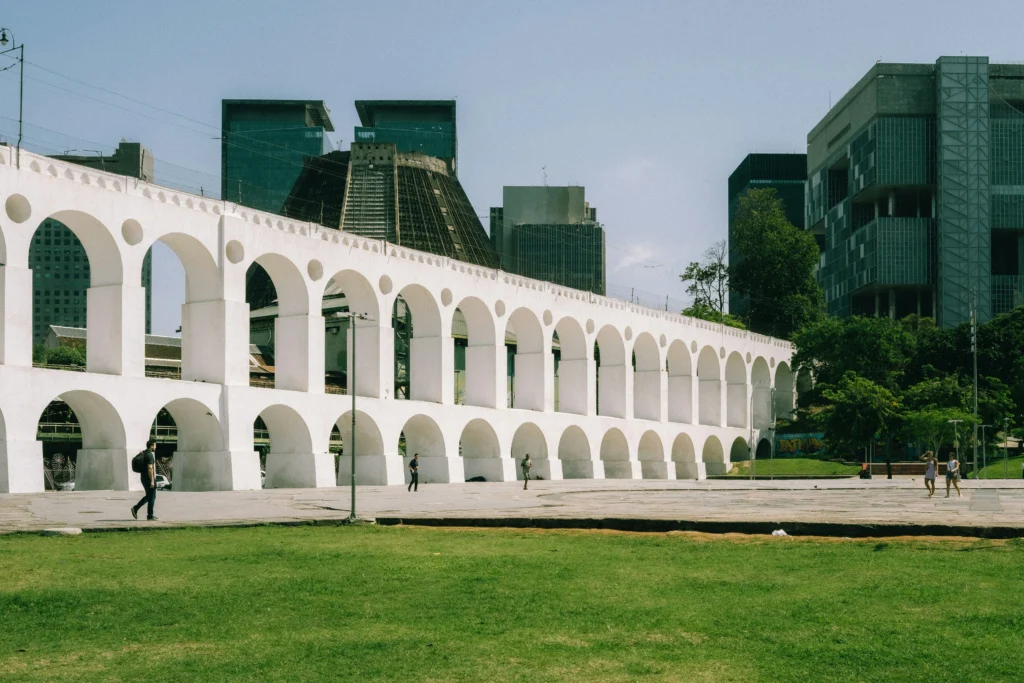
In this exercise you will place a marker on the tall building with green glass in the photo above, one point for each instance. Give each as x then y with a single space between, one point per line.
425 126
263 145
59 263
916 188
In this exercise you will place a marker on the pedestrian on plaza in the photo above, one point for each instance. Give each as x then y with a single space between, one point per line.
414 473
527 465
953 475
930 470
145 464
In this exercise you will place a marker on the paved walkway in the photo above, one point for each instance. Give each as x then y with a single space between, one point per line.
899 505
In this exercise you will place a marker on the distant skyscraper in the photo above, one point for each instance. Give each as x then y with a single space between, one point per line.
786 173
60 266
425 126
263 145
551 234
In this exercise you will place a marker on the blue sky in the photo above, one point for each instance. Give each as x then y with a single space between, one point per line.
649 105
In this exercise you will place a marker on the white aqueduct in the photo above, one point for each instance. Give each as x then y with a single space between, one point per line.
680 410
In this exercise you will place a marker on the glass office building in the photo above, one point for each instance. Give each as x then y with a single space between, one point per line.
916 189
263 147
424 126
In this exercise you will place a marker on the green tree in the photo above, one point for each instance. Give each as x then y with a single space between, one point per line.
775 267
937 393
877 349
932 426
65 355
857 412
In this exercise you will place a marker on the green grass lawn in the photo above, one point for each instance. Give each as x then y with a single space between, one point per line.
791 466
408 604
997 470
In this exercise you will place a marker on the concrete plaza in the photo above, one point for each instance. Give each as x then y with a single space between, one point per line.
836 507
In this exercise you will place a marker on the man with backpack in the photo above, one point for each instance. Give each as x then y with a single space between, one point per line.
145 464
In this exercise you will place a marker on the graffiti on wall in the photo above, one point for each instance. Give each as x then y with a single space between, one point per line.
799 444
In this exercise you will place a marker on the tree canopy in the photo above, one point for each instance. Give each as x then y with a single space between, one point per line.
774 268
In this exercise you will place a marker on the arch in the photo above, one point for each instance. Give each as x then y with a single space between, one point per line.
651 454
529 387
713 456
351 290
424 438
709 388
202 276
106 266
740 450
529 439
199 430
292 295
430 366
102 463
736 391
572 368
289 433
615 455
684 457
292 461
785 394
761 393
647 378
611 373
359 293
482 361
680 383
574 453
764 450
368 439
481 453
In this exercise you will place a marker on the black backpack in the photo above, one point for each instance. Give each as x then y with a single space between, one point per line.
139 462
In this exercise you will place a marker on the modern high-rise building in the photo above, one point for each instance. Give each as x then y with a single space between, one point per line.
263 145
916 185
60 266
550 233
786 174
425 126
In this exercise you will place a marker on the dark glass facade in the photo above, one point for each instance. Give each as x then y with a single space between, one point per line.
424 126
915 185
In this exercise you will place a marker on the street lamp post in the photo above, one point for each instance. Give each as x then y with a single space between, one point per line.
976 472
351 386
6 36
956 438
750 447
1006 444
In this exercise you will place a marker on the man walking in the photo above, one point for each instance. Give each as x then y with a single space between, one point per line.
414 473
527 465
148 474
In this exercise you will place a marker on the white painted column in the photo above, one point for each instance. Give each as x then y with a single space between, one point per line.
106 469
432 371
116 330
215 342
737 404
486 370
535 381
15 316
649 395
711 403
613 388
21 466
300 470
761 415
299 353
374 353
577 386
680 398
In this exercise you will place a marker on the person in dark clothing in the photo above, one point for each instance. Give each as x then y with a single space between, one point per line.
148 475
414 473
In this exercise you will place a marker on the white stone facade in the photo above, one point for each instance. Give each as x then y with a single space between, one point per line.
680 412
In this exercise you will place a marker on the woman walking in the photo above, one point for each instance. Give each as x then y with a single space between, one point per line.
929 473
953 475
